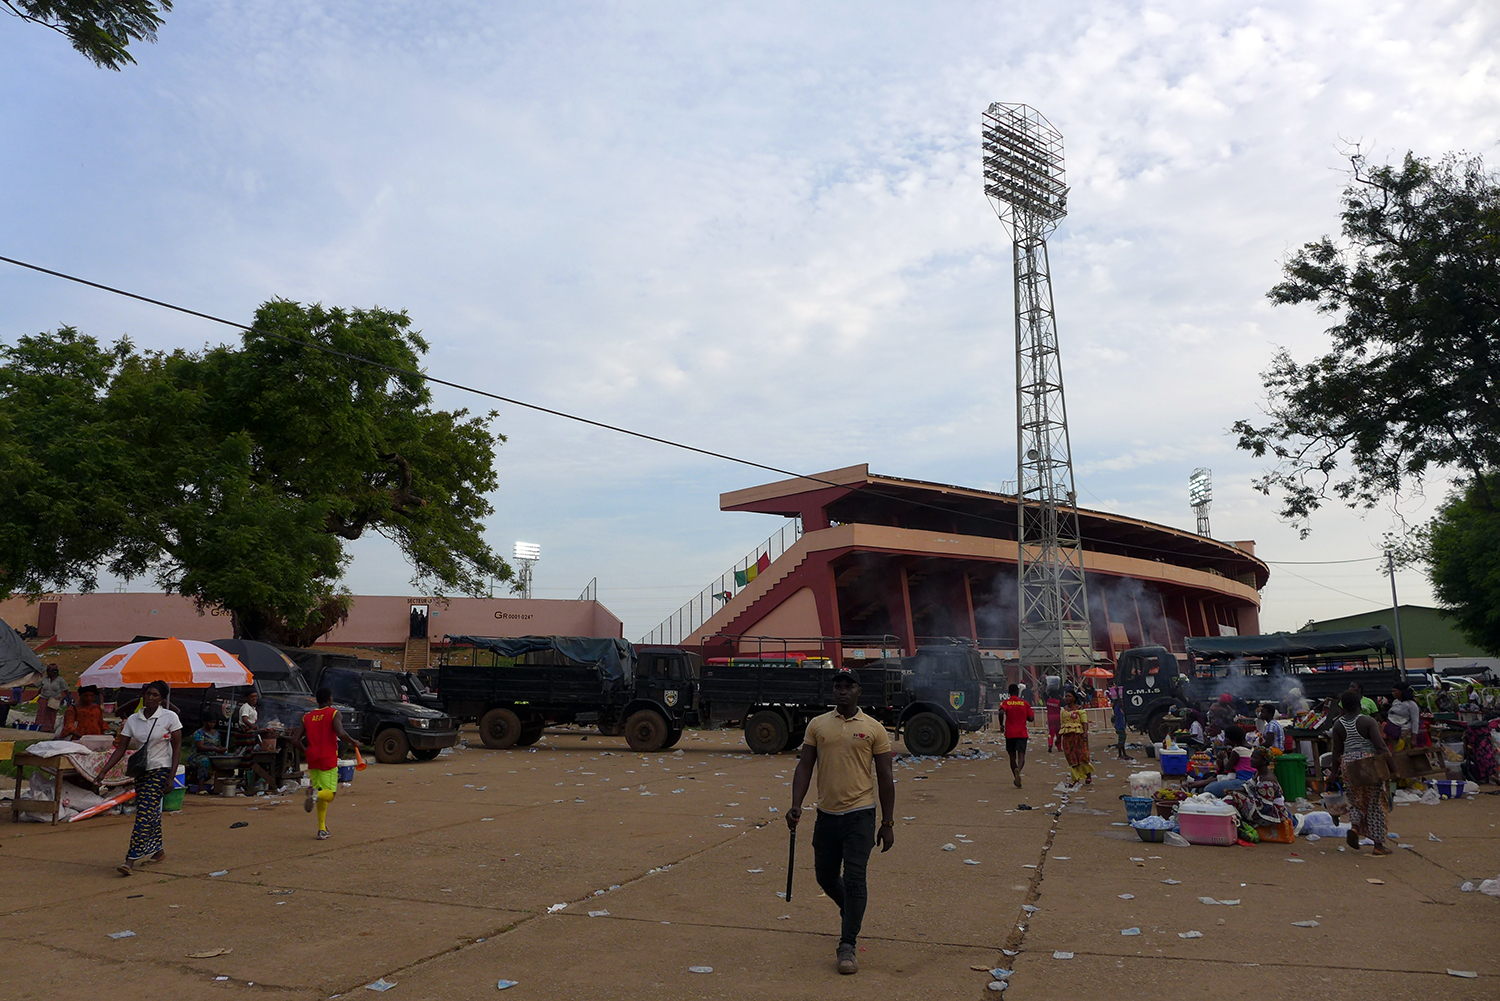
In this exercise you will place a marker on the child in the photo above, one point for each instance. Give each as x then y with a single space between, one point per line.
1054 720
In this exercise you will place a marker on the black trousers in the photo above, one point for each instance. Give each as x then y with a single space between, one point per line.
842 843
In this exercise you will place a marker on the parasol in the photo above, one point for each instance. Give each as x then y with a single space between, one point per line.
180 663
1098 672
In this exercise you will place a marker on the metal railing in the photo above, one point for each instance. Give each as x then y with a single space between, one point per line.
682 623
590 591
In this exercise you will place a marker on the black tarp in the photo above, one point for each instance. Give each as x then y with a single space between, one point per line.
259 658
19 666
613 658
1292 644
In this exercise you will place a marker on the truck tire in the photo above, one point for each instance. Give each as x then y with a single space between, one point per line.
673 736
428 754
391 746
530 733
927 734
645 731
952 739
766 732
499 729
611 729
1156 727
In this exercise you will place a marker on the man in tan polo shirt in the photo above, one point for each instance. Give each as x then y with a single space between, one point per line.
842 745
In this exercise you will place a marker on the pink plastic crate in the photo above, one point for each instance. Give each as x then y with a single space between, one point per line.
1204 829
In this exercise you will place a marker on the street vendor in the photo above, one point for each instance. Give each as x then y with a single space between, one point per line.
1272 734
86 717
1234 766
249 714
49 700
202 746
1221 715
1260 801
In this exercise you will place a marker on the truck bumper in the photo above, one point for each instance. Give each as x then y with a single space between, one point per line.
426 740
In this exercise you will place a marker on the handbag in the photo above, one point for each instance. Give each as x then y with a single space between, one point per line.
135 765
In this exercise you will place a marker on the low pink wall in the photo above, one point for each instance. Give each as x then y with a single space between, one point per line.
376 620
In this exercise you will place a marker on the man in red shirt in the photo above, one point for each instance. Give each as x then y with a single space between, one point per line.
321 733
1018 713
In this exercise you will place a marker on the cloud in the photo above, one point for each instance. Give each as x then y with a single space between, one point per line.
760 230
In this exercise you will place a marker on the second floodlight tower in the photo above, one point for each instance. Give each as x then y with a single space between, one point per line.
1024 180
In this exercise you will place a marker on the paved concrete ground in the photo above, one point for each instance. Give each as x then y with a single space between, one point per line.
441 876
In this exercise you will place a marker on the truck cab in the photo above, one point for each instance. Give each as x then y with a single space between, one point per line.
1151 686
669 676
393 727
945 692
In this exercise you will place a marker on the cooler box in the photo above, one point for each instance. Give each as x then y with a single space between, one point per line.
1174 762
1207 828
179 781
1291 772
346 769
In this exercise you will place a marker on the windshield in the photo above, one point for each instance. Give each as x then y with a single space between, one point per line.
291 684
382 690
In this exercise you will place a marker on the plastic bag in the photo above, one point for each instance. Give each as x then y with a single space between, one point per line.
1430 797
1176 840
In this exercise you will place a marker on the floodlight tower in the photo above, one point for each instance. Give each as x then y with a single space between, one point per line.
1023 178
1201 497
526 555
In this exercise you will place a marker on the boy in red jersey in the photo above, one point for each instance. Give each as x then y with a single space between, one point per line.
1018 713
321 733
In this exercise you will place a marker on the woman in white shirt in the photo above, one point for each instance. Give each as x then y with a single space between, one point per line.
159 732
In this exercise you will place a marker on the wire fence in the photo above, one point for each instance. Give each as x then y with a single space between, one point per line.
682 623
590 591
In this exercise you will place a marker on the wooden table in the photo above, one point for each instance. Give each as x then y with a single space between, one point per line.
60 764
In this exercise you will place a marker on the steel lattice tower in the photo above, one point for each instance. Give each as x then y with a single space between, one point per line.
1023 178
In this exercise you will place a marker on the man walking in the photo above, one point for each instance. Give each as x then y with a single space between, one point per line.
1018 713
321 732
842 745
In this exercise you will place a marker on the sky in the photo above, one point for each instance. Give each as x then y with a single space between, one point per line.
754 228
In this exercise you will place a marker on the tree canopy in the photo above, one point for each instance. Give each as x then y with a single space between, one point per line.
1410 385
101 30
1462 549
236 475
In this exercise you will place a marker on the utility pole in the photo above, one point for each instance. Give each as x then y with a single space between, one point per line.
1390 565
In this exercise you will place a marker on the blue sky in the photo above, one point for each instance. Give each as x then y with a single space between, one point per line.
757 228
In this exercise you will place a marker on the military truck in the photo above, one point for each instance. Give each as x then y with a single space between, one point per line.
515 686
1281 668
928 699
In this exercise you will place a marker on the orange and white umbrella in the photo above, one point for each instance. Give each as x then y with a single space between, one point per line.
180 663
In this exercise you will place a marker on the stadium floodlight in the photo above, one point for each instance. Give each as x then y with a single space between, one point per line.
1201 496
526 554
1024 179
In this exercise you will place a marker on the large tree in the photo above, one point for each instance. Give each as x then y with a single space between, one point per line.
101 30
1461 547
241 473
1410 385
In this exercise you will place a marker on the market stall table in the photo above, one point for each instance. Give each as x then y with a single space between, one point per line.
60 766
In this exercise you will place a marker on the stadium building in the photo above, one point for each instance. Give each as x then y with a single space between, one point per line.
872 564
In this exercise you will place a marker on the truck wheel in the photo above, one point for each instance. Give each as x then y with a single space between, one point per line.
530 734
952 739
766 732
611 729
391 746
926 735
426 755
645 731
673 736
499 729
1156 728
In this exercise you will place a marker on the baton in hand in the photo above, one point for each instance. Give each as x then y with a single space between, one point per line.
791 859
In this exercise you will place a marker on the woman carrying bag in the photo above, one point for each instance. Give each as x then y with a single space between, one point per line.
154 734
1357 736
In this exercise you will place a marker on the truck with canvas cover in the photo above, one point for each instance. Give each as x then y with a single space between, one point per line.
1280 668
515 686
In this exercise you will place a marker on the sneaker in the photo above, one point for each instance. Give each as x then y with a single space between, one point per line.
307 804
846 959
324 835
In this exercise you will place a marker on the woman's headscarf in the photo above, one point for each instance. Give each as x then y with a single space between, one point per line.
161 687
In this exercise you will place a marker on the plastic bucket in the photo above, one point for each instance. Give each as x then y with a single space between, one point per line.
1137 807
346 769
1291 772
172 801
